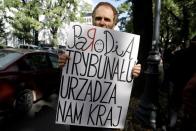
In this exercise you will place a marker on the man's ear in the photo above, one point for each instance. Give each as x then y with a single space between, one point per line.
114 25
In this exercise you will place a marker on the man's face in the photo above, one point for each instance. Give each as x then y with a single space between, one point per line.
104 17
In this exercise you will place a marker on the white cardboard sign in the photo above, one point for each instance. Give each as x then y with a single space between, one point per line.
96 82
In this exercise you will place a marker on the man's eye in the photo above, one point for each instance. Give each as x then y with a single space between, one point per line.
98 18
106 19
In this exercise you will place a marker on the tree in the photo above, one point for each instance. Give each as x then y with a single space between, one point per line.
124 10
2 32
62 12
26 22
177 23
24 19
1 27
85 8
57 13
178 18
141 23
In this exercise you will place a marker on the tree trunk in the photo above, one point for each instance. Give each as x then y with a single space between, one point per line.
185 28
36 41
143 26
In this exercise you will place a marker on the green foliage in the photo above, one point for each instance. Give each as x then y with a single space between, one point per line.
84 8
25 20
1 28
125 9
12 3
3 34
172 5
178 18
57 13
177 22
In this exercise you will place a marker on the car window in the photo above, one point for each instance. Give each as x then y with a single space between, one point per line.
54 61
23 65
28 47
7 56
38 61
23 46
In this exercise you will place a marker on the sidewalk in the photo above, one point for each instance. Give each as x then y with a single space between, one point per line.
40 118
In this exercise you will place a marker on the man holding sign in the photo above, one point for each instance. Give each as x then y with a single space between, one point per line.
104 15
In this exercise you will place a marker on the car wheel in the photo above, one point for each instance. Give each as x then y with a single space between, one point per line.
23 101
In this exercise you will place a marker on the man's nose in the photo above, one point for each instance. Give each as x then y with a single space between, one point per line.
102 21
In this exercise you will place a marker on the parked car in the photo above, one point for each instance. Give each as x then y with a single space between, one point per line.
28 46
48 47
4 46
25 77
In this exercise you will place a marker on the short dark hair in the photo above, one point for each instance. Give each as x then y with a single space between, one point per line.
108 5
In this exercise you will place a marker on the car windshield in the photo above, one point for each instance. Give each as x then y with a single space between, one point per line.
7 56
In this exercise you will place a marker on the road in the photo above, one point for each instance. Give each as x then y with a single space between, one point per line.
40 118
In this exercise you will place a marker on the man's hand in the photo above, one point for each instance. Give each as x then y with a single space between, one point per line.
62 59
136 70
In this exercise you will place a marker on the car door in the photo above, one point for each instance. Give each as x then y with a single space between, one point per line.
56 71
45 76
